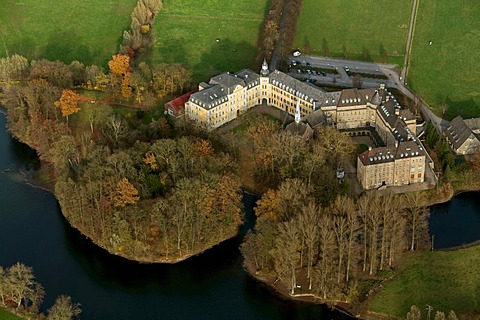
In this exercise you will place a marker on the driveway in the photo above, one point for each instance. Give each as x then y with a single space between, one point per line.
345 80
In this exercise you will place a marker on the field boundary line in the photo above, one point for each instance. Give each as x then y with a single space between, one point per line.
408 49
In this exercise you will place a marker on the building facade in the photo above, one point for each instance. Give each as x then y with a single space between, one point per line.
396 165
228 95
461 137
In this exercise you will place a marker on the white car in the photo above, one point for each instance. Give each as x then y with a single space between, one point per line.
296 53
346 68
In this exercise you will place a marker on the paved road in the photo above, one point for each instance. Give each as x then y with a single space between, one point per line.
343 79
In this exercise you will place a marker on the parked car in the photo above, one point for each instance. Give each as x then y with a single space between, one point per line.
296 53
346 68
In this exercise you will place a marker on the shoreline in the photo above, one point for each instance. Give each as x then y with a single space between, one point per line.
282 292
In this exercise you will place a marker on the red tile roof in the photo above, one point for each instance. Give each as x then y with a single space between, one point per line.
178 104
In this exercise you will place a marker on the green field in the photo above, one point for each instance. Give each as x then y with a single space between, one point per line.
359 27
445 280
5 315
186 31
89 31
448 70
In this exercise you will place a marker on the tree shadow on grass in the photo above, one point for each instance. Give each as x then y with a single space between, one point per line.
67 46
175 52
25 46
225 55
468 108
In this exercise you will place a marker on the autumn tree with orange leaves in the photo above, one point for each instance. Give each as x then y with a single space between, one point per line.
120 68
125 193
68 103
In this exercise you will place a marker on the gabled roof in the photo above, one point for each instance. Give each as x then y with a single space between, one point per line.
178 104
352 97
378 155
473 123
376 98
387 112
407 115
228 81
210 97
247 75
315 118
408 149
303 90
403 150
457 132
301 129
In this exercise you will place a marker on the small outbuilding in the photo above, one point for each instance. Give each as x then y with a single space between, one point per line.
176 107
461 137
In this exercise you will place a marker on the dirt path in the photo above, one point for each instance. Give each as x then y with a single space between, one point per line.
408 50
108 101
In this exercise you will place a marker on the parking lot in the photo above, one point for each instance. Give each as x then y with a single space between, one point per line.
327 71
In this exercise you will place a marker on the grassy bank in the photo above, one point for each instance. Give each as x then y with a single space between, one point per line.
208 36
446 280
5 315
355 29
446 70
89 31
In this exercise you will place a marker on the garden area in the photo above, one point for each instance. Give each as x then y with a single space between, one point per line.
354 29
444 64
209 36
88 31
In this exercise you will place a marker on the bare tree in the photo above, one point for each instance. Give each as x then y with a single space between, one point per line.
439 315
414 313
286 256
363 213
452 315
417 216
444 108
324 269
340 209
308 222
21 287
115 129
64 309
374 224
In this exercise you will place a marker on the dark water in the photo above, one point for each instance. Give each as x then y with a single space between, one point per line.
457 222
210 286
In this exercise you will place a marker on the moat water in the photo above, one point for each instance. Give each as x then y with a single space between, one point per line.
210 286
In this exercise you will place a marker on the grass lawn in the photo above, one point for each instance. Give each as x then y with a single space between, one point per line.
445 280
186 31
360 27
5 315
448 70
89 31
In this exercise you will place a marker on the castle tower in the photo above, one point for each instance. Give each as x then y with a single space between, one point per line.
265 71
298 116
